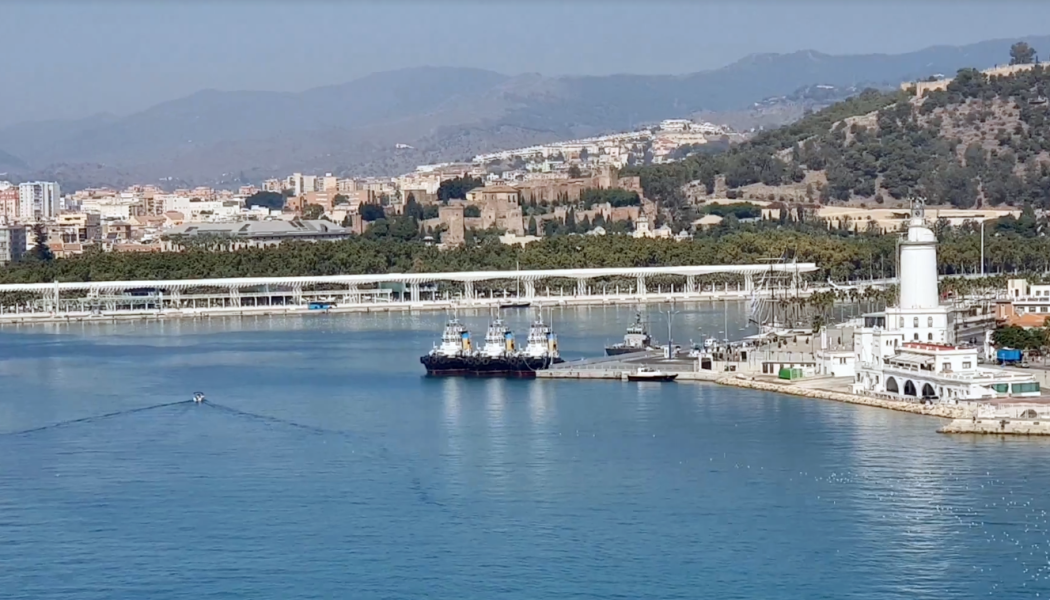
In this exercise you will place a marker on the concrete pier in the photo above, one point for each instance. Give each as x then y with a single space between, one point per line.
616 367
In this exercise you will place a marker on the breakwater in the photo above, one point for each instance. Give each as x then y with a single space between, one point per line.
944 411
994 426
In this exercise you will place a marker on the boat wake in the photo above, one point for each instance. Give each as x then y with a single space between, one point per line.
416 486
276 420
95 418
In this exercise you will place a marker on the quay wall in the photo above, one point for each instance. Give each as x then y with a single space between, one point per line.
618 374
24 318
944 411
997 427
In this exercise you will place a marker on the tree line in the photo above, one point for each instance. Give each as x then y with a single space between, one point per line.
397 245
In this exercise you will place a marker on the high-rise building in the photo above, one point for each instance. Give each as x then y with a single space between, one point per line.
12 243
8 204
39 200
330 183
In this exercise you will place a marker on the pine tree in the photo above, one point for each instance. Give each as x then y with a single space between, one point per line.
40 251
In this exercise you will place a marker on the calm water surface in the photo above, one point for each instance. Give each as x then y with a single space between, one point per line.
328 467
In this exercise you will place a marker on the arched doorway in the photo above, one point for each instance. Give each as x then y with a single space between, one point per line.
928 391
891 385
909 388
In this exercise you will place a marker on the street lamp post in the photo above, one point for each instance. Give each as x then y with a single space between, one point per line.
671 312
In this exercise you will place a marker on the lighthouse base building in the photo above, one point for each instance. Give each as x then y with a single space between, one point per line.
909 352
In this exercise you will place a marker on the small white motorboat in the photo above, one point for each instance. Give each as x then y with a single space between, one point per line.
198 397
647 374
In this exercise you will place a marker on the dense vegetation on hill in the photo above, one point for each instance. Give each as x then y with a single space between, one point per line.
982 141
457 187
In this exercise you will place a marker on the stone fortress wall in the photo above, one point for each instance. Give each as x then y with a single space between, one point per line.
924 87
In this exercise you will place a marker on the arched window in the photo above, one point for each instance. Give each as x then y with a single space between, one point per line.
891 385
927 391
929 321
915 322
909 388
915 337
929 336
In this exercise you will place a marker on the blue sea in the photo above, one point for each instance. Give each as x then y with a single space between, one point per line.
324 465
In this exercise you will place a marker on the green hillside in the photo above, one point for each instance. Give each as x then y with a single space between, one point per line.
982 141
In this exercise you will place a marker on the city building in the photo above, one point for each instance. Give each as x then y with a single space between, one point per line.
119 207
12 243
39 200
70 228
9 212
196 209
910 350
250 234
1025 305
329 183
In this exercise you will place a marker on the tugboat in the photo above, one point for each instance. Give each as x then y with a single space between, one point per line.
498 357
636 340
542 349
453 356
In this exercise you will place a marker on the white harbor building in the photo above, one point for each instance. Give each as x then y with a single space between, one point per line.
910 351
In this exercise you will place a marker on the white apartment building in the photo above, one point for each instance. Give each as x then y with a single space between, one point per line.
39 200
675 124
198 210
301 184
12 243
120 207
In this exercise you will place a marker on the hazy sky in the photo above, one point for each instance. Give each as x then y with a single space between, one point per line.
70 59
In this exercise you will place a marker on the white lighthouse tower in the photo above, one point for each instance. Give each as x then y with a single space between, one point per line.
909 351
919 316
918 263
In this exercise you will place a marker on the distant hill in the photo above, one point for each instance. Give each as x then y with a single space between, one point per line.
445 114
776 111
983 140
10 162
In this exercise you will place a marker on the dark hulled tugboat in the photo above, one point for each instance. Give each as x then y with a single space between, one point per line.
496 357
451 357
541 351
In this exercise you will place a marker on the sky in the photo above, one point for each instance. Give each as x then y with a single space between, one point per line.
63 59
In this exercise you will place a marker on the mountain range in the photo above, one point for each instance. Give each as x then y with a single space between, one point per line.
442 113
